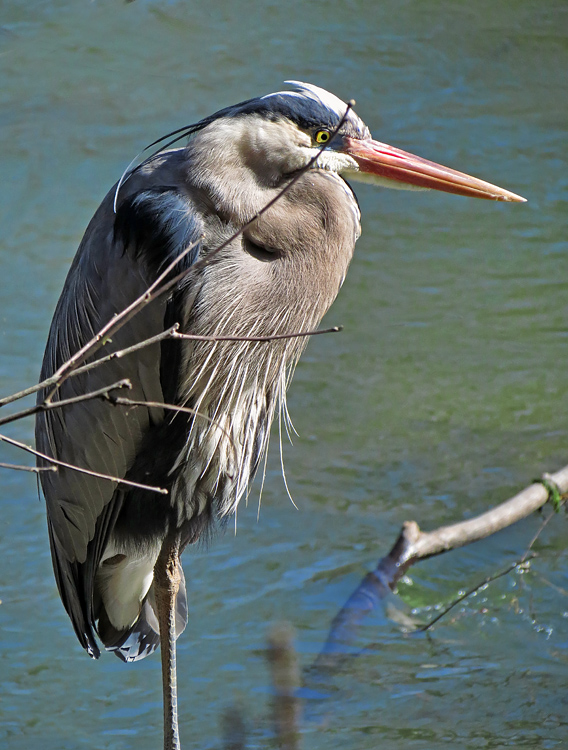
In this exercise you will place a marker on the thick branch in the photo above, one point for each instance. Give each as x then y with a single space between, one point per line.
413 545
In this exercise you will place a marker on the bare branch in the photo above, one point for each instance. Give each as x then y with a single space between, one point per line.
106 395
119 320
50 405
154 291
170 333
263 339
473 589
173 333
418 545
49 459
91 365
120 401
35 469
26 392
414 545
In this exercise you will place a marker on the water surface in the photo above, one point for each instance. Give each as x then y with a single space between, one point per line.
444 394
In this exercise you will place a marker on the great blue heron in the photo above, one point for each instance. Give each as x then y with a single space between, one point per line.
115 548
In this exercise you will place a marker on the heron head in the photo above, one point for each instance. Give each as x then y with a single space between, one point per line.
280 133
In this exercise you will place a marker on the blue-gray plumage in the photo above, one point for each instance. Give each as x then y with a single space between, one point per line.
108 540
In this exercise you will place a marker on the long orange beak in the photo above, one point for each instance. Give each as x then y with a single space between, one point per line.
391 163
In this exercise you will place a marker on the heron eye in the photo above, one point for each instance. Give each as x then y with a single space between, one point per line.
322 136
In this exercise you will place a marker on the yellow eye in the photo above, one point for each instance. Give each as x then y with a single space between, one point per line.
322 136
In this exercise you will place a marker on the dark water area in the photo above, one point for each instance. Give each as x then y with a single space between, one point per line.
444 394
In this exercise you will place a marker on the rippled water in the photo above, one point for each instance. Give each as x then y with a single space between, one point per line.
445 392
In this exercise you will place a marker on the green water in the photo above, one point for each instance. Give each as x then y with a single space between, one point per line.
444 394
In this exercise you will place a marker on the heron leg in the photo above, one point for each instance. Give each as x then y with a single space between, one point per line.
166 585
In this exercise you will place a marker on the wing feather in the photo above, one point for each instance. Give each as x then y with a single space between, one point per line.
119 257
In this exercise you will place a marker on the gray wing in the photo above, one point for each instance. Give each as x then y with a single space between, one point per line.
119 257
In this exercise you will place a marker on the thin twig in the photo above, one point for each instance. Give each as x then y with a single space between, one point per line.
528 555
150 295
558 589
51 405
91 365
26 392
172 334
106 395
121 401
154 291
119 320
539 532
36 469
49 459
473 589
262 339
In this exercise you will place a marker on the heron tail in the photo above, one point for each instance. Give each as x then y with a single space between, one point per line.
143 637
